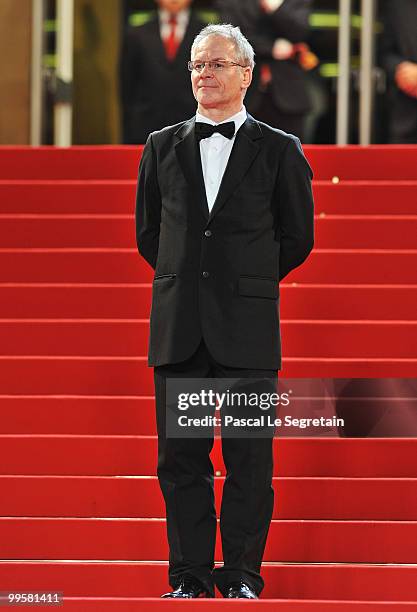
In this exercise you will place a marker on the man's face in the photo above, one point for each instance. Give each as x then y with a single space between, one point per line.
223 89
173 6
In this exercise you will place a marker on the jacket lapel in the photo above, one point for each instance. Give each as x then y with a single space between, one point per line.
155 40
188 154
244 151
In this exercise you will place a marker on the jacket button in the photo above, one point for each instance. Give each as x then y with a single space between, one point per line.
207 233
206 274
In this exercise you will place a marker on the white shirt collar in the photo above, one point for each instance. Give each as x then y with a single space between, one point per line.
182 16
239 118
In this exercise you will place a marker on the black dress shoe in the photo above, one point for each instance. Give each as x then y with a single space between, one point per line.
189 588
240 590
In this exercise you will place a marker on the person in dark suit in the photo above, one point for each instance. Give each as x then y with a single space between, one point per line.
276 29
153 76
224 211
399 58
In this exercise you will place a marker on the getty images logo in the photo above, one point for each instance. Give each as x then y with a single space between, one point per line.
211 398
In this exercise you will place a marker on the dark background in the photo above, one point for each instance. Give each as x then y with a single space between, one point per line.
323 41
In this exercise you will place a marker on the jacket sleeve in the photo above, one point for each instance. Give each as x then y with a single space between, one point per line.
291 20
295 208
389 51
148 205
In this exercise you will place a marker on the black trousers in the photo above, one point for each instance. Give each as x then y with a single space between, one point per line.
186 478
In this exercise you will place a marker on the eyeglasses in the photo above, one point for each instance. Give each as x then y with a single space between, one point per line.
216 66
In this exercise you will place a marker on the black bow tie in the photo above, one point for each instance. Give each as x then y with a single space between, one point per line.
205 130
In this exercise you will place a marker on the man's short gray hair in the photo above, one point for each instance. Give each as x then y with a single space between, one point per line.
244 50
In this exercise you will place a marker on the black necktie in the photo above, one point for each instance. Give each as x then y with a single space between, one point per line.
205 130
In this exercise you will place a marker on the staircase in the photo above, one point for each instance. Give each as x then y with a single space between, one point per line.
80 510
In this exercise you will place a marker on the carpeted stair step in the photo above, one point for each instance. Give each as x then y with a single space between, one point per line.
133 301
118 231
135 415
124 337
126 455
377 162
105 196
107 375
284 581
102 604
303 498
356 266
145 539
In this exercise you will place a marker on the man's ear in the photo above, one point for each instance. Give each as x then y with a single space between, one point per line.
247 79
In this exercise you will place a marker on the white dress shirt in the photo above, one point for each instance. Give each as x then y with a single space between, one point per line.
182 17
215 152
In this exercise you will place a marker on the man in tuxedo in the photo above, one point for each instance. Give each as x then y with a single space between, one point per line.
153 76
224 210
399 58
278 30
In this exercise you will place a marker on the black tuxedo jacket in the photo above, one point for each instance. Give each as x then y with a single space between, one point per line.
154 91
216 274
288 88
399 44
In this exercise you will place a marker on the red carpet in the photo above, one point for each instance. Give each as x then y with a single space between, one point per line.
81 511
